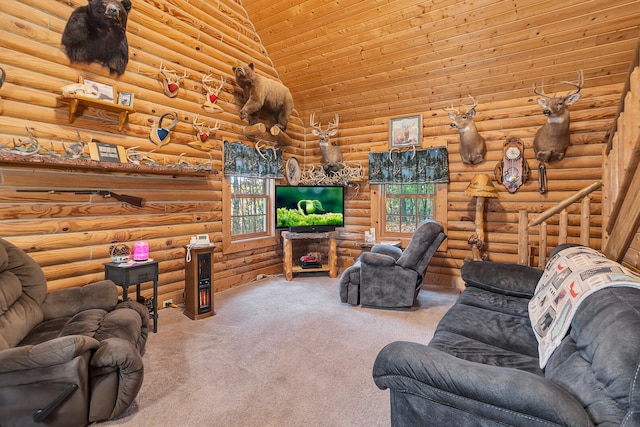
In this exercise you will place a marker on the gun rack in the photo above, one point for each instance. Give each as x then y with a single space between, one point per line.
79 100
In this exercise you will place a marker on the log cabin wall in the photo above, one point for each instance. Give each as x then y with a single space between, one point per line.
591 119
70 235
368 63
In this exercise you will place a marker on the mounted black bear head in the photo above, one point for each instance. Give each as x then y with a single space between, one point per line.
97 32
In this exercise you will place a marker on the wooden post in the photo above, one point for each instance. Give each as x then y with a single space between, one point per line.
257 129
523 238
563 227
479 242
542 256
333 257
585 221
288 254
280 135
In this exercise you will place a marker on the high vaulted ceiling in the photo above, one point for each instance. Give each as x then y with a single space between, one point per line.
366 59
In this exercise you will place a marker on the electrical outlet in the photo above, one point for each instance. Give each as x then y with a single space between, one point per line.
167 303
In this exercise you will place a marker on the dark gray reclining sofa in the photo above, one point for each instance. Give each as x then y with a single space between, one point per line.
481 368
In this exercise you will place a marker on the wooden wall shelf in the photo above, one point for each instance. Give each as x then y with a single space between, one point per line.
86 164
78 100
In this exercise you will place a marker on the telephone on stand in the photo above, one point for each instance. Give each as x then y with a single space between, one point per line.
197 241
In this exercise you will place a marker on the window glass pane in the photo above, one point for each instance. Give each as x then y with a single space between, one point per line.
393 205
406 205
394 188
393 223
409 188
249 205
261 224
409 206
260 206
408 224
236 226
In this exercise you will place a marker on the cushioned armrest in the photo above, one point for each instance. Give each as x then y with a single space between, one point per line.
377 259
494 393
70 301
508 279
392 251
115 357
49 353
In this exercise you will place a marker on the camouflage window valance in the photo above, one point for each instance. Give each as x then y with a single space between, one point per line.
243 160
410 166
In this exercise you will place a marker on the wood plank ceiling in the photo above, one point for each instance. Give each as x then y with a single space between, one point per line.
366 59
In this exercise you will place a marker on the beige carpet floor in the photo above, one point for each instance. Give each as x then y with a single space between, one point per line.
276 353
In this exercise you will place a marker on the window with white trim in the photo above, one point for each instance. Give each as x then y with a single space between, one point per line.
247 213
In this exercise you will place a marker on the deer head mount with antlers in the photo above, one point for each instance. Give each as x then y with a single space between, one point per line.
199 128
472 146
331 154
211 95
552 139
171 81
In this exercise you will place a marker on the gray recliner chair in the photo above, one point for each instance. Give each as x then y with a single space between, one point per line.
387 277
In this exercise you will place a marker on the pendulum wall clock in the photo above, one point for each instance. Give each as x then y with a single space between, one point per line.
512 171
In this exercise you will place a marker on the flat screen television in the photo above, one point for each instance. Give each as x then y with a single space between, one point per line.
309 208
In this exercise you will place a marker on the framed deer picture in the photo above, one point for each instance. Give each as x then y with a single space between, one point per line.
405 131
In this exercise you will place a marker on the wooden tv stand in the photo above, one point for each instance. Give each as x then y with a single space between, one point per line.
289 268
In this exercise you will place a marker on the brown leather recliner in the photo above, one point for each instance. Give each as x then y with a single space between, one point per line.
69 357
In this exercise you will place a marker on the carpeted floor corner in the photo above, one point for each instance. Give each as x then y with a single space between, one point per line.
276 353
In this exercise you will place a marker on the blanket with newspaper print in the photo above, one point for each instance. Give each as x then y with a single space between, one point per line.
569 278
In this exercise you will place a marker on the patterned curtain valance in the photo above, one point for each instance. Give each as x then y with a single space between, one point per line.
243 160
407 167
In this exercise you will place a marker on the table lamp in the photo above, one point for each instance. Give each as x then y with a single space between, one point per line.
480 187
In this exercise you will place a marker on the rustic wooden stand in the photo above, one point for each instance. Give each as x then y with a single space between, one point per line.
289 268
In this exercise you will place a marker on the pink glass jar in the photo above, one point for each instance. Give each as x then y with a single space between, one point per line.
141 250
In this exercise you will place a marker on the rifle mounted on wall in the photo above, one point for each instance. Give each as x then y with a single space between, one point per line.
132 200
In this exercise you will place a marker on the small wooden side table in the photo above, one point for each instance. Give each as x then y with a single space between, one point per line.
128 275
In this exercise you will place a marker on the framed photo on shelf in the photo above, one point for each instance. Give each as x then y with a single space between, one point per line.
103 152
106 92
125 98
405 131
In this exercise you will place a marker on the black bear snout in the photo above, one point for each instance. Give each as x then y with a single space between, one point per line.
112 10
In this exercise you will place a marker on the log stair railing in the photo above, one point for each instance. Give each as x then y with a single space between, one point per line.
525 222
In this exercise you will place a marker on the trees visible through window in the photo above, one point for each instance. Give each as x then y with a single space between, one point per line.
406 205
249 206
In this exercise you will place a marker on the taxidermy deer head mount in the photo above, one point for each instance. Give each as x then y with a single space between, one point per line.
211 94
552 139
171 81
331 154
199 128
472 147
